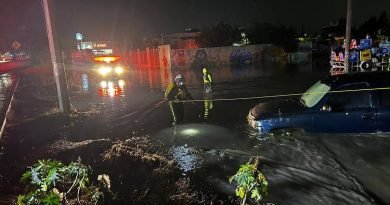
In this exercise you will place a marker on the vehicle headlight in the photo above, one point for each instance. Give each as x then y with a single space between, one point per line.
118 70
104 70
103 84
110 85
121 83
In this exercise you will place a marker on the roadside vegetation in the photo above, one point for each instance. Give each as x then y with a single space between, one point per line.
51 182
251 183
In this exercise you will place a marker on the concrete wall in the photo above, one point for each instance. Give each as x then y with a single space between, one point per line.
213 57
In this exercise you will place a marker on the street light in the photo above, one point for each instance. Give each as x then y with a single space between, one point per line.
162 39
79 38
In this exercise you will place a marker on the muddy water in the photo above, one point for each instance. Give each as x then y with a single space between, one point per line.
215 139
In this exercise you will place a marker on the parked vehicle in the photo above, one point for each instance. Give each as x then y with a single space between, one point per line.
6 57
348 103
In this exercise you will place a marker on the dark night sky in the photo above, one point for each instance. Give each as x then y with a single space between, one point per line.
107 19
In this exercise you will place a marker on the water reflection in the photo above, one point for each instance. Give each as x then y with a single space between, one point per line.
186 157
239 71
147 76
208 106
158 78
7 82
187 143
84 83
111 88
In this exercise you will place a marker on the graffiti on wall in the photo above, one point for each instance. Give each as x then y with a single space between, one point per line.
200 60
258 54
165 64
214 57
181 58
195 58
241 56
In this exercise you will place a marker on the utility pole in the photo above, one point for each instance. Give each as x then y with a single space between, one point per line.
348 35
57 60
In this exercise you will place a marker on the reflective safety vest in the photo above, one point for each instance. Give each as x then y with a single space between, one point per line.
174 92
207 78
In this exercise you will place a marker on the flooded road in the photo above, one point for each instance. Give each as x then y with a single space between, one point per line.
8 82
215 139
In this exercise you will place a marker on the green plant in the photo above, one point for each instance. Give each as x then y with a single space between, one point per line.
50 182
250 180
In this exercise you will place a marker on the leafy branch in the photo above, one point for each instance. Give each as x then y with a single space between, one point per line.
51 182
251 181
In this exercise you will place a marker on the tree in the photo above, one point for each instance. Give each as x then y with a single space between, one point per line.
285 37
383 23
220 35
376 25
260 33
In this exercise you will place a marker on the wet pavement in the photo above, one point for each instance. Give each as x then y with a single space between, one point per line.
215 138
8 82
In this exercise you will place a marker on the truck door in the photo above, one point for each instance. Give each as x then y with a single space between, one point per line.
383 109
350 110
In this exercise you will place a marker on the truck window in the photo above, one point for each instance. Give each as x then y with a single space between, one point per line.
349 98
384 97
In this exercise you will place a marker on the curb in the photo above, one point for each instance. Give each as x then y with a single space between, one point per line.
8 110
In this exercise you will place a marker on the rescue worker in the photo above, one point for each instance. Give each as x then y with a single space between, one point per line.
207 80
176 92
208 106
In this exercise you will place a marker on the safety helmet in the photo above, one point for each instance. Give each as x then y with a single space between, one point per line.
179 80
204 70
178 77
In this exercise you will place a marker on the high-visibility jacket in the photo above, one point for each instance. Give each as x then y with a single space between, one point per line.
207 78
174 92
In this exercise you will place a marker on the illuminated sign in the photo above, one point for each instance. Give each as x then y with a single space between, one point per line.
86 45
106 59
365 55
100 45
79 36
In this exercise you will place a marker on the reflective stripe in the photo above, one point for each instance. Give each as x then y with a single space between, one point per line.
174 92
169 89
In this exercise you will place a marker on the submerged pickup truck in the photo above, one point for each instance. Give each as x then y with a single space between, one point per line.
348 103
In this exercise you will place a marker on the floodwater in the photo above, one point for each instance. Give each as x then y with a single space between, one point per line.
215 139
8 82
